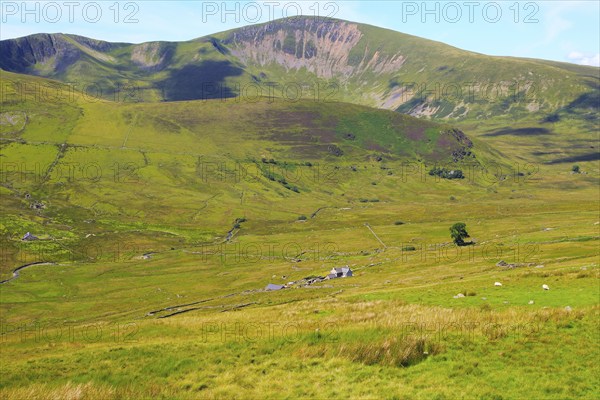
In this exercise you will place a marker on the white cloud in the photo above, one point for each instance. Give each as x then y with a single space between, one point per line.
584 59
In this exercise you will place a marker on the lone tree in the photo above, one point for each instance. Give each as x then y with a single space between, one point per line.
458 232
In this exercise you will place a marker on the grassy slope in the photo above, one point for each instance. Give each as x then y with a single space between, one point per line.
76 156
158 191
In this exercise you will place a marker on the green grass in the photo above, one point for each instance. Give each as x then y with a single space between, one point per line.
172 179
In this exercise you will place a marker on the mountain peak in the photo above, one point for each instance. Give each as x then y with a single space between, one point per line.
321 46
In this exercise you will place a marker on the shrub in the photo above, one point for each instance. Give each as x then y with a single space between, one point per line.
575 169
445 173
302 218
398 223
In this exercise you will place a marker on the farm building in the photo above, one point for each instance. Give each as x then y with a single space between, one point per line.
272 286
343 272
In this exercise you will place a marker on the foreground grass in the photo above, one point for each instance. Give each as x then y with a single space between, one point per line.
385 349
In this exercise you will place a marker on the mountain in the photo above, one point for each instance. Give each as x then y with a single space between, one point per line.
317 57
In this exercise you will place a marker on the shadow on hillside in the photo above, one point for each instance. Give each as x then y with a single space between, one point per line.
586 105
520 132
580 158
200 82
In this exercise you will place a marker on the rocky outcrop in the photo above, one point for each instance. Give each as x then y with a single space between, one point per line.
327 48
465 144
152 56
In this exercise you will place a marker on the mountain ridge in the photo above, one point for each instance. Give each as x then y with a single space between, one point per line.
367 65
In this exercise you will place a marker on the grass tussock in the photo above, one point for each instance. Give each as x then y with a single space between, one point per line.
68 391
83 391
397 352
389 351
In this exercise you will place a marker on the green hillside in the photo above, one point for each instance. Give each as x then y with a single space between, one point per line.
158 226
78 156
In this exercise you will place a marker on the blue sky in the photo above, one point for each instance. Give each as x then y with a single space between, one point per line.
555 30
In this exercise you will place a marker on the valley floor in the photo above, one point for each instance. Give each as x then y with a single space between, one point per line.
393 330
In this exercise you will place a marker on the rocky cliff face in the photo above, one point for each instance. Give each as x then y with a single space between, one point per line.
327 48
46 54
23 53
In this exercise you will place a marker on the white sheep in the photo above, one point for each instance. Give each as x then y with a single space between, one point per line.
497 284
545 287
